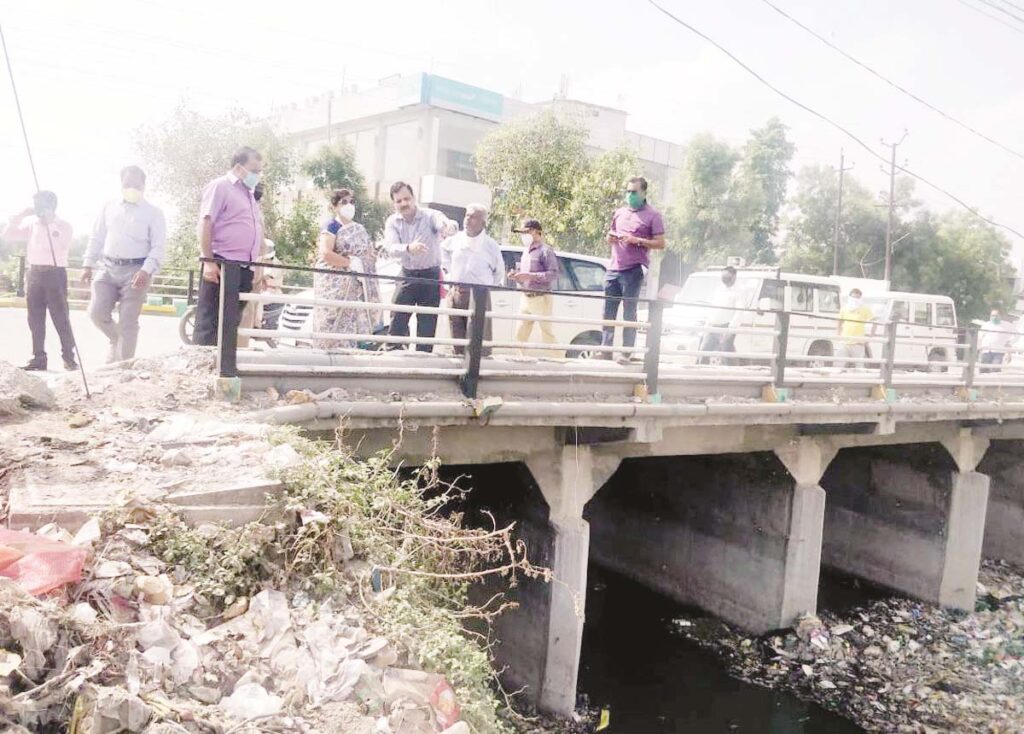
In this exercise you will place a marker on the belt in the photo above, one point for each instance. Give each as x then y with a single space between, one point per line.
125 260
537 295
38 266
415 273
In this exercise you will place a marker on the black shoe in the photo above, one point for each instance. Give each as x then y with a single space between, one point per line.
35 365
70 364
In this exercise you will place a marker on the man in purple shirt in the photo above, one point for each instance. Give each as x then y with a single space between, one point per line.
636 228
538 271
230 228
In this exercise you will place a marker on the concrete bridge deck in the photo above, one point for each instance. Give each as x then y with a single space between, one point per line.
713 495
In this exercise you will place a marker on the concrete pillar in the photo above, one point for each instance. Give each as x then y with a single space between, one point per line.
909 517
568 479
1004 522
730 533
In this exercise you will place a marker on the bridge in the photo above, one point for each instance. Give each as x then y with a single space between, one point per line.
726 487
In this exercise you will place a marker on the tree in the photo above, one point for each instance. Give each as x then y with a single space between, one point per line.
334 167
186 150
596 194
763 178
532 166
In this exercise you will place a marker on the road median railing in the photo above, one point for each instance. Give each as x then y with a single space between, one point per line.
894 359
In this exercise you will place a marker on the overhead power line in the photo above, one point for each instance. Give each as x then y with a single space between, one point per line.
1002 10
829 121
1015 6
891 83
996 18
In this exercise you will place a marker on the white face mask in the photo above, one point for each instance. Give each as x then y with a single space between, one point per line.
526 239
347 210
852 302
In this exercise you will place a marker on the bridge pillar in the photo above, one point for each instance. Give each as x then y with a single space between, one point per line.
568 479
730 533
1004 523
909 517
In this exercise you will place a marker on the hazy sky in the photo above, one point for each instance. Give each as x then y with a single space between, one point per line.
90 73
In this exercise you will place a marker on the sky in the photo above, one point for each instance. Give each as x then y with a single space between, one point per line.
90 74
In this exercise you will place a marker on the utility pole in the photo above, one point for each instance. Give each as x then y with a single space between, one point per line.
839 214
892 205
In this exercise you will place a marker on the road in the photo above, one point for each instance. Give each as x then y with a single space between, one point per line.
157 335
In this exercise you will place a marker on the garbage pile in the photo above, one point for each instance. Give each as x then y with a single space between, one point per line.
127 645
897 665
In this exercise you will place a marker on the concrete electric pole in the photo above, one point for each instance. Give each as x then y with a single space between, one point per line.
839 214
892 205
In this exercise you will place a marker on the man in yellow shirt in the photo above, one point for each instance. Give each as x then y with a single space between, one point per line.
853 319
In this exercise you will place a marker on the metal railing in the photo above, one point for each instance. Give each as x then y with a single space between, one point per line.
959 366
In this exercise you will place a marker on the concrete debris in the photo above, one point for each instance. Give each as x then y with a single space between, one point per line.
898 665
20 391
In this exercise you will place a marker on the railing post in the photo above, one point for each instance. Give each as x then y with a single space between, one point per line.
972 358
478 305
21 276
652 355
888 354
191 286
781 341
227 338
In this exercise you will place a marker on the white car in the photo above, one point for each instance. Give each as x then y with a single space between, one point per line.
577 274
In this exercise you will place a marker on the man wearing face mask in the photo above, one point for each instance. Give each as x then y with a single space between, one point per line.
853 319
994 337
726 299
471 257
128 242
230 228
538 271
636 229
47 240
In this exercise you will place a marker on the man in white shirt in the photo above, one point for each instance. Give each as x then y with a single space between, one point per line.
726 299
471 257
994 337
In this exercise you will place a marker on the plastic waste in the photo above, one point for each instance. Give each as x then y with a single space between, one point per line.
39 565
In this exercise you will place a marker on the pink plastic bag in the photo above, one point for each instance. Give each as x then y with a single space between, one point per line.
39 565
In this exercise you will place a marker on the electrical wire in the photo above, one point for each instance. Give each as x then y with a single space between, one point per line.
832 123
1004 11
891 83
1013 5
996 18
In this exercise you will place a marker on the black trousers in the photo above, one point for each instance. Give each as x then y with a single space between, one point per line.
425 292
47 290
208 308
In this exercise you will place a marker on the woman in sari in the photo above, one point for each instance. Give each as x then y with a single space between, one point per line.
344 246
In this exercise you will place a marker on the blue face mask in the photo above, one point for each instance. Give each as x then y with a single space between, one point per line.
251 179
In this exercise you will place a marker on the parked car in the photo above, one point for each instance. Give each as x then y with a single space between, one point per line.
763 290
582 274
928 320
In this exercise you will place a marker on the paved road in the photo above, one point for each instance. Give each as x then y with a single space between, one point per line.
158 335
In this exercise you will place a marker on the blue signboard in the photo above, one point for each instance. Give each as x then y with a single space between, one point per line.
453 95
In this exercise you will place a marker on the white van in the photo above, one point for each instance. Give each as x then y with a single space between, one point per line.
581 274
764 288
926 327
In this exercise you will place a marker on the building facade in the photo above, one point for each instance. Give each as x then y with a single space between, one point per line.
423 129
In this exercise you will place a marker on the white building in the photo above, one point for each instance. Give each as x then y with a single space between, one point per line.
424 129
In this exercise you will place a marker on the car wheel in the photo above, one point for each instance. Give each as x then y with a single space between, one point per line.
936 359
187 325
584 340
820 349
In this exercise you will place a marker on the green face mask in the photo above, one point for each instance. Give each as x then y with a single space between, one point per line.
635 199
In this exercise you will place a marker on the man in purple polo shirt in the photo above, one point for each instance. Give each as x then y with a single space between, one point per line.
636 229
230 228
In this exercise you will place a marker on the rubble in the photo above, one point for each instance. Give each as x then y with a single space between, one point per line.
897 665
20 391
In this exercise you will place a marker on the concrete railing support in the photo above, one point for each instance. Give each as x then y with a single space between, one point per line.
568 479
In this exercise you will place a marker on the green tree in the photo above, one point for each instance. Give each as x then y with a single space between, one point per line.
334 167
597 192
187 149
763 177
532 166
702 217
